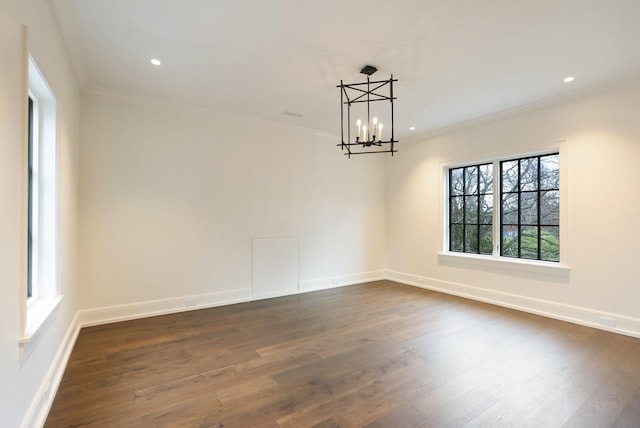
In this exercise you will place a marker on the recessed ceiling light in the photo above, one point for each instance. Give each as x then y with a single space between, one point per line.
412 128
568 79
155 61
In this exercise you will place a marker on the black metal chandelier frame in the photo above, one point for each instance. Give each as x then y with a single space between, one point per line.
365 92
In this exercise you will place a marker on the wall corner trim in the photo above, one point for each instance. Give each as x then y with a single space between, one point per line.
625 325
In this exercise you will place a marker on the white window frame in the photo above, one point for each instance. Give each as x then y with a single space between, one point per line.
496 262
40 308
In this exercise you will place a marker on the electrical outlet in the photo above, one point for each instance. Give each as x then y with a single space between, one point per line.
190 302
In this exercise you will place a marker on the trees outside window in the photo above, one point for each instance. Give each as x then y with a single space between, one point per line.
528 208
471 209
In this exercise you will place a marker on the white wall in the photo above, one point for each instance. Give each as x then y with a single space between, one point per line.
22 381
172 196
601 133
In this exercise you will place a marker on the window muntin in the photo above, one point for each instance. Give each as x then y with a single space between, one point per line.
471 209
527 201
530 208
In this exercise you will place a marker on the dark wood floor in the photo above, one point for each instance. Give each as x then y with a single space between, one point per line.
376 355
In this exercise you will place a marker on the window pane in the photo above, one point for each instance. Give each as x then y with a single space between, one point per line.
455 181
456 238
471 180
486 178
550 172
510 208
528 205
471 209
471 239
529 174
467 208
486 239
30 203
550 243
529 243
550 207
509 241
455 207
509 176
529 208
486 209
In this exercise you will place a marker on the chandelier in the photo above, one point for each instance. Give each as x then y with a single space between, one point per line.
367 135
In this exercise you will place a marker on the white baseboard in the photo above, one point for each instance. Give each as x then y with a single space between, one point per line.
41 404
588 317
150 308
129 311
341 281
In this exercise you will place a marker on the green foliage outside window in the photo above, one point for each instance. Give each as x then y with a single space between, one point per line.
529 204
471 209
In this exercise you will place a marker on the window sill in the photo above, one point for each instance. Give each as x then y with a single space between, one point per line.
506 264
40 314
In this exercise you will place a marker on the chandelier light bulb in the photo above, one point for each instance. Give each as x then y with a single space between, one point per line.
380 131
364 132
358 124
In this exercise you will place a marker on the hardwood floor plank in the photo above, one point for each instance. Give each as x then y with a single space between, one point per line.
329 423
459 411
379 354
403 416
629 418
559 405
364 401
607 401
522 387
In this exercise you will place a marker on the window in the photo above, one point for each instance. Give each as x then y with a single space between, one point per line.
41 286
32 202
528 208
471 209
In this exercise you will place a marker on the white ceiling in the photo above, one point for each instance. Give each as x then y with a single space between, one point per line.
456 60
